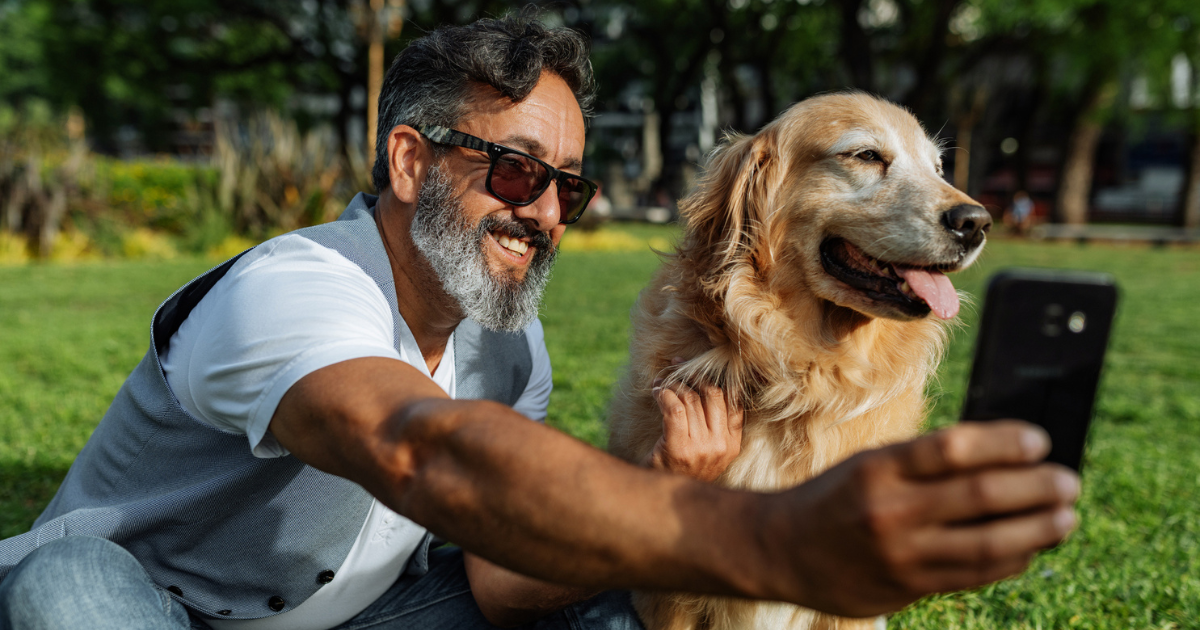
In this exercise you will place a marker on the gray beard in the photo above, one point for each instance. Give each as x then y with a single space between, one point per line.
455 251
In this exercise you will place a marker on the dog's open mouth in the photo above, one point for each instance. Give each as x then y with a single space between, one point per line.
914 290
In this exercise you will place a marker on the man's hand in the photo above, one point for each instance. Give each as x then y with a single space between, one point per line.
952 510
702 432
508 599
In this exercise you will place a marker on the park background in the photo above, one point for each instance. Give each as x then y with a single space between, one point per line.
141 142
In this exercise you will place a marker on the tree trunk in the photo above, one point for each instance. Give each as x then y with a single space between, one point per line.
374 73
1191 187
935 52
965 124
1075 188
1075 183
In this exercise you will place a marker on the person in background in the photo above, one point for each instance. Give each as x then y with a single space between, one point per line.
1019 216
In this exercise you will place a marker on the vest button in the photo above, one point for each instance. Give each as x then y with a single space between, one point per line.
276 603
225 613
325 577
176 590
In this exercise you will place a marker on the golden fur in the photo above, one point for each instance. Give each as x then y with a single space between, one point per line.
822 370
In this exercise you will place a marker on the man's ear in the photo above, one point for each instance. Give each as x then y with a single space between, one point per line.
408 161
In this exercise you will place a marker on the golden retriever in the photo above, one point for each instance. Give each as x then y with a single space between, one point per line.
809 284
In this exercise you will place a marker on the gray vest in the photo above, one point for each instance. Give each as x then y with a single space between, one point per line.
230 534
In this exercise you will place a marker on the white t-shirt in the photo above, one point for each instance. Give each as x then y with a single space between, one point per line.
285 309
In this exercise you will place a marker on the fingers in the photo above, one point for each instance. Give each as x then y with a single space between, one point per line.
676 425
957 578
683 410
997 542
699 422
701 432
972 445
724 417
1000 491
715 411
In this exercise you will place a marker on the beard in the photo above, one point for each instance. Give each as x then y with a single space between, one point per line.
455 251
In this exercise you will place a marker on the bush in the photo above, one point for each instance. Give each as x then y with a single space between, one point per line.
43 157
265 178
161 193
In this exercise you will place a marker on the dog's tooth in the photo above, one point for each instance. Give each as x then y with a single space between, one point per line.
904 287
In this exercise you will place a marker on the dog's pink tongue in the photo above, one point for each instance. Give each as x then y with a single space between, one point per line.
933 287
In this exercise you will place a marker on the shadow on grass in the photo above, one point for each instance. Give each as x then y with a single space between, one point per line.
25 489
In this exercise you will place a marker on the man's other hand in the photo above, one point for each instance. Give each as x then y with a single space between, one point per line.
702 432
952 510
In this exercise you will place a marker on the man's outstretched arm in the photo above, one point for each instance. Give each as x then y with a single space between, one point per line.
871 535
702 435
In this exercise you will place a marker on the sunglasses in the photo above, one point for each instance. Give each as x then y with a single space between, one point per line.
519 178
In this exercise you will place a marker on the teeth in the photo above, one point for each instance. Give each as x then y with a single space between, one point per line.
514 245
904 288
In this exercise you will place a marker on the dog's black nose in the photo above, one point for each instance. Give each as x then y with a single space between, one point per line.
968 223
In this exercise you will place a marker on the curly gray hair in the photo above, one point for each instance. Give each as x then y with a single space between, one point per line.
431 80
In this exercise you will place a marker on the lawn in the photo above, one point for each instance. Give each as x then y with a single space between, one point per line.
69 335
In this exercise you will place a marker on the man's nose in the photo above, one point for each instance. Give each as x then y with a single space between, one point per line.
544 212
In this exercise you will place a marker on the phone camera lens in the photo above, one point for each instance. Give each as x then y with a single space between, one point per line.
1077 322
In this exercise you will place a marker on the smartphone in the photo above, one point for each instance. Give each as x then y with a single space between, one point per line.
1040 351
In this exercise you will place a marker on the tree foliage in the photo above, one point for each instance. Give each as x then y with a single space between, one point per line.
138 62
1067 66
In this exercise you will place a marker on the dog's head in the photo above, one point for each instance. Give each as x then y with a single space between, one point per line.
846 190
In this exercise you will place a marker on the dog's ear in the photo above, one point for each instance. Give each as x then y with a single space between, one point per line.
726 214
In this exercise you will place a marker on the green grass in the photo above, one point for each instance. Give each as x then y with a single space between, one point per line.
68 337
70 334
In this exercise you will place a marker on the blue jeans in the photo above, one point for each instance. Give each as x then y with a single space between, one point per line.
84 582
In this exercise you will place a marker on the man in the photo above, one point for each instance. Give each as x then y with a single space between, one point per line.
307 410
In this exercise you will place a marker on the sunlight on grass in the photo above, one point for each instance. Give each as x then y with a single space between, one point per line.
612 239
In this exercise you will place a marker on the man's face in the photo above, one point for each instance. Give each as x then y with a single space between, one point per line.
492 257
456 249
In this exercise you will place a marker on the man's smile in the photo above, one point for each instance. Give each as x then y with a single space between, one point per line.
516 241
514 246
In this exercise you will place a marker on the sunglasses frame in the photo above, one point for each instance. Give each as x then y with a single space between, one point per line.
451 137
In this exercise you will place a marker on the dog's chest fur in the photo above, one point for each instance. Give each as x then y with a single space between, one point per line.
817 383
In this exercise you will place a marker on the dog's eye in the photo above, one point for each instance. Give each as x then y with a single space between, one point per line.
869 156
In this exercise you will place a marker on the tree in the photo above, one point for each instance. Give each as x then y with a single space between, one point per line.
1082 53
1185 48
136 63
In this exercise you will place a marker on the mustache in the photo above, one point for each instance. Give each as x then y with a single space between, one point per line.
517 229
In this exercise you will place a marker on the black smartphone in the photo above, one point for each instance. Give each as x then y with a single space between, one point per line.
1039 353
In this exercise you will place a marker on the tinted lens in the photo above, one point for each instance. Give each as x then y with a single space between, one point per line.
573 196
518 179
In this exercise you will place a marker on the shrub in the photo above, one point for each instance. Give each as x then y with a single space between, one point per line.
265 178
